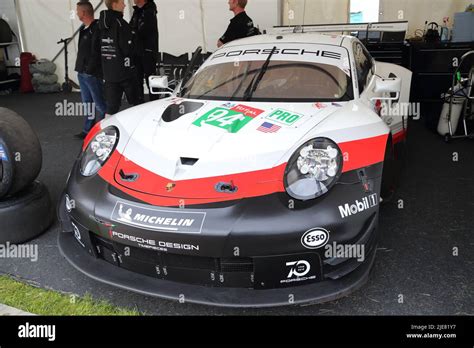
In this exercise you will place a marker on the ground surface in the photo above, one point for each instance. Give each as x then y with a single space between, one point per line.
47 302
415 262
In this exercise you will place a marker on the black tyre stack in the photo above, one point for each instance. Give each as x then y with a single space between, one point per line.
25 204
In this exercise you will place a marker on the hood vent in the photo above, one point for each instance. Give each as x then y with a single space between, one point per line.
187 161
175 111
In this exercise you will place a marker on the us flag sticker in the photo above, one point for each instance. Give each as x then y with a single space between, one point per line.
268 127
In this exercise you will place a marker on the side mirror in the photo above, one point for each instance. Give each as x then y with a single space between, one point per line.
388 85
159 82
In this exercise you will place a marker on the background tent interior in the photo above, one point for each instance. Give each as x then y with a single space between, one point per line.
186 24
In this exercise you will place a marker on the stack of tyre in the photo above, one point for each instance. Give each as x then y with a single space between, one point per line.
25 204
44 78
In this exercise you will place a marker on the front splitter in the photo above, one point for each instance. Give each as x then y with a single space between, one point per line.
324 291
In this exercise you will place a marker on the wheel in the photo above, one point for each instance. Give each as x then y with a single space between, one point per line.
25 215
20 153
388 173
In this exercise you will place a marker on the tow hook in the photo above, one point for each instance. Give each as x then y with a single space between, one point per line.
128 177
366 183
226 187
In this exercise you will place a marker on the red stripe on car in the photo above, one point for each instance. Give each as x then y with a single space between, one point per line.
157 190
364 152
400 136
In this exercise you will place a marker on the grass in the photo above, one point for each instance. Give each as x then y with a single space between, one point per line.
46 302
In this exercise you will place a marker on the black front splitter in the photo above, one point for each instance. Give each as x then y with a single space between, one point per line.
102 271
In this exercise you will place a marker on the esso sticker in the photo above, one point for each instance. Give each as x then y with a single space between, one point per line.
315 238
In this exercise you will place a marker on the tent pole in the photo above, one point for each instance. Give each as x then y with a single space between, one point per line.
280 7
203 25
21 37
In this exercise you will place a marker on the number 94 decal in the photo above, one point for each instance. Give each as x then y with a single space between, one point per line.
232 120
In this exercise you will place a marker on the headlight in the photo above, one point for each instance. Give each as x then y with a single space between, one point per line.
313 169
98 151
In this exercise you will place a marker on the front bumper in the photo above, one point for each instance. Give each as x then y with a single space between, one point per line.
224 297
238 258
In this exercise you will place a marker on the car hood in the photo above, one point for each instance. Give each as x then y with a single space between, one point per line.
199 144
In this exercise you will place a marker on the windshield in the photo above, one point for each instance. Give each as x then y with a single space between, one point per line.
284 81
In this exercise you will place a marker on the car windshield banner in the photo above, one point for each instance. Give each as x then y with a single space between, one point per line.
311 53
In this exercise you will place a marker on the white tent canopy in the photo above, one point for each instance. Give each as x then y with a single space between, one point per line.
183 25
186 24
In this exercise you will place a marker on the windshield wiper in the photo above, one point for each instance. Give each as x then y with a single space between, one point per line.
256 80
241 83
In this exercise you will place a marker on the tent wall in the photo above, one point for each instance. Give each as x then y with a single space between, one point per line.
7 13
416 12
298 12
44 23
183 25
186 24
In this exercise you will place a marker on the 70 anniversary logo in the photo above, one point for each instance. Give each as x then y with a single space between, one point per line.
233 117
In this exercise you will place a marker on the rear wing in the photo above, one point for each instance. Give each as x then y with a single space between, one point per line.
400 27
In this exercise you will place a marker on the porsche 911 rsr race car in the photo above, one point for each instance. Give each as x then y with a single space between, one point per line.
239 188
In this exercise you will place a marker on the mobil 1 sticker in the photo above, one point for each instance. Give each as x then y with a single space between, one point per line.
286 270
157 219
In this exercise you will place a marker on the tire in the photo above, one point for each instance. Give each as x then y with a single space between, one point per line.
25 215
388 174
22 157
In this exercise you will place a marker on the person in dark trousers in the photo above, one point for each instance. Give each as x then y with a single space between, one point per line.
144 24
240 26
117 51
89 68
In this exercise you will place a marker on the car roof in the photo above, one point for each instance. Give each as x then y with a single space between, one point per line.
317 38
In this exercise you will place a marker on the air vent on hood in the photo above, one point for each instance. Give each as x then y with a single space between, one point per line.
175 111
187 161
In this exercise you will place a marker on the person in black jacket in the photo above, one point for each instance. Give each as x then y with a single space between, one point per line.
240 26
145 28
117 51
89 67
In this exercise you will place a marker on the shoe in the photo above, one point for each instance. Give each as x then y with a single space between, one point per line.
81 135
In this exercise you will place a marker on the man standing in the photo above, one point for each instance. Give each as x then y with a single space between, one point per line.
88 66
145 28
117 51
240 26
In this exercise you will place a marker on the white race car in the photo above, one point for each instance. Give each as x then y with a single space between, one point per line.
242 186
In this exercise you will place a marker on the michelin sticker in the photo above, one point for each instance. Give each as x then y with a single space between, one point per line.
3 154
158 220
315 238
231 117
